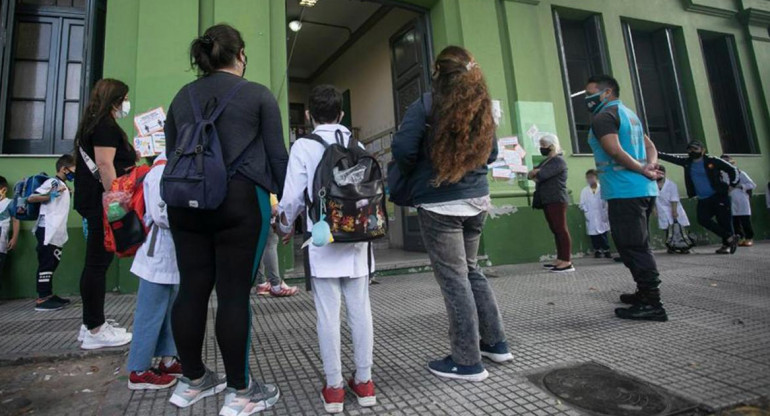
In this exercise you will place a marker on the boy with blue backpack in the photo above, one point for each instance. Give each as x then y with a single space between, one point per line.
8 238
51 231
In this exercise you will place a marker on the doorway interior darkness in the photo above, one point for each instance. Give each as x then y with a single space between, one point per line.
377 53
52 52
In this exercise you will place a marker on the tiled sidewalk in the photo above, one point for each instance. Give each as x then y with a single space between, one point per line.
714 351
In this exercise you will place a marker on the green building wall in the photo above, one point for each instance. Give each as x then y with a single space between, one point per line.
513 41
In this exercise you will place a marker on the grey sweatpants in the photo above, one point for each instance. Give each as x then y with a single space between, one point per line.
327 294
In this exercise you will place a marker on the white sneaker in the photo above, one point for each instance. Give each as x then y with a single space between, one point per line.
114 324
107 337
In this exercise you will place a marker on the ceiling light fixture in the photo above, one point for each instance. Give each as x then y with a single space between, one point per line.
307 3
295 25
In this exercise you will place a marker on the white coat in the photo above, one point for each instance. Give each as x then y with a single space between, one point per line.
335 259
595 210
739 196
54 214
669 193
159 266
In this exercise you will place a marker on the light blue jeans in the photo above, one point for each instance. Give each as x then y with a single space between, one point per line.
152 325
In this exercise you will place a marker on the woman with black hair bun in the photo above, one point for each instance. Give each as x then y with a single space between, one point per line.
219 249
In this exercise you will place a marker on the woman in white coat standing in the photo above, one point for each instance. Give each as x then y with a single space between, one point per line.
740 199
597 219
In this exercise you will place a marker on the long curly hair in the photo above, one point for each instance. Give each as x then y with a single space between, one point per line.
463 125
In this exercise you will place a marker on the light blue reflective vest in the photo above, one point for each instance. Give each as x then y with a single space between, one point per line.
617 181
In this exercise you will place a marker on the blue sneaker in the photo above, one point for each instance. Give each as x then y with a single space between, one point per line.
498 353
449 369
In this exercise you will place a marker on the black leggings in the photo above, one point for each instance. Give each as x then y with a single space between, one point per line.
742 225
221 249
93 279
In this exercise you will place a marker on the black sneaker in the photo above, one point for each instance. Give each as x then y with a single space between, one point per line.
498 353
630 298
607 254
733 243
449 369
63 301
642 312
566 269
549 266
597 254
47 305
723 250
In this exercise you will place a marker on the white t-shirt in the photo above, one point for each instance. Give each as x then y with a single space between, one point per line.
53 214
5 225
669 193
595 210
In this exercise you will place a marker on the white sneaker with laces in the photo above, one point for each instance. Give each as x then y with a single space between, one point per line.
108 336
113 323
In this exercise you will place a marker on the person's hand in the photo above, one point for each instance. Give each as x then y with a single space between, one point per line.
12 243
274 211
652 171
54 194
532 173
675 214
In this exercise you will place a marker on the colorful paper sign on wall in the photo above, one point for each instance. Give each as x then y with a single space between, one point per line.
150 122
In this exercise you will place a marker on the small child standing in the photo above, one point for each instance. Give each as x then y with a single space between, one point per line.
668 205
336 268
740 201
597 218
51 231
155 265
8 238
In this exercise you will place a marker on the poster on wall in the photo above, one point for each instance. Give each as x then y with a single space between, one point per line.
510 159
150 122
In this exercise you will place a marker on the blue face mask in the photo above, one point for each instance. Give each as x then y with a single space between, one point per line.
594 102
70 176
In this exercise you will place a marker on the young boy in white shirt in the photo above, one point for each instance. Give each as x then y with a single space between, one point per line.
597 218
8 238
51 231
336 268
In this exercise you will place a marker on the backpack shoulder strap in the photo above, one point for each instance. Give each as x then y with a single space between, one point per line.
226 100
316 138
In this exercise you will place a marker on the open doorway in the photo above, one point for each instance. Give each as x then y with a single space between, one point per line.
377 53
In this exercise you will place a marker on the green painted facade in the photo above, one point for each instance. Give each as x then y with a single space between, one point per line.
513 41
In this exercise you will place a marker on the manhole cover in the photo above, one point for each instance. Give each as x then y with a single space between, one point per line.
601 391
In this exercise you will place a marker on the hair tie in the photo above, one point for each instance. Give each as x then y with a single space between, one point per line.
206 40
470 65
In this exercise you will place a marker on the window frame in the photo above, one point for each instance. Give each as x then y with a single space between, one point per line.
605 68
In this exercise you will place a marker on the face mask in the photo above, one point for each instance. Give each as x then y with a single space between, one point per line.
545 151
694 155
594 102
70 176
124 109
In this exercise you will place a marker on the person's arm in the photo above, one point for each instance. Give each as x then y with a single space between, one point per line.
674 209
584 201
156 208
727 168
293 198
16 227
408 139
651 151
746 183
494 153
45 193
611 144
677 160
271 132
105 157
169 130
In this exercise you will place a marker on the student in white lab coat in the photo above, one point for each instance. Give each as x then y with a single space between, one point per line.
668 205
155 265
595 210
336 268
51 231
740 200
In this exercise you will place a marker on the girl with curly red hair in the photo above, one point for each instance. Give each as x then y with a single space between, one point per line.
443 146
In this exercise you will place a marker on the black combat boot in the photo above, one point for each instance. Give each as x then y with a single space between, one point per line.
630 298
649 308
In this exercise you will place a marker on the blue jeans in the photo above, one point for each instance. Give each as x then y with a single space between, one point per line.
453 246
152 325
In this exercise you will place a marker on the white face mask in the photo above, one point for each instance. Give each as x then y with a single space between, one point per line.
124 109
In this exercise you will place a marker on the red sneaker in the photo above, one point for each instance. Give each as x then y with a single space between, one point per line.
174 370
150 380
334 399
284 291
364 392
263 289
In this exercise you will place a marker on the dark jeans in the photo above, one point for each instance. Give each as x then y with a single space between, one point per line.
717 206
629 220
556 215
219 249
743 227
48 258
93 279
453 245
2 265
600 242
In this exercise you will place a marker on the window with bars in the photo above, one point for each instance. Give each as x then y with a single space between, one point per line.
582 54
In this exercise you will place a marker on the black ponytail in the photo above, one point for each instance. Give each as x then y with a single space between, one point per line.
218 48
